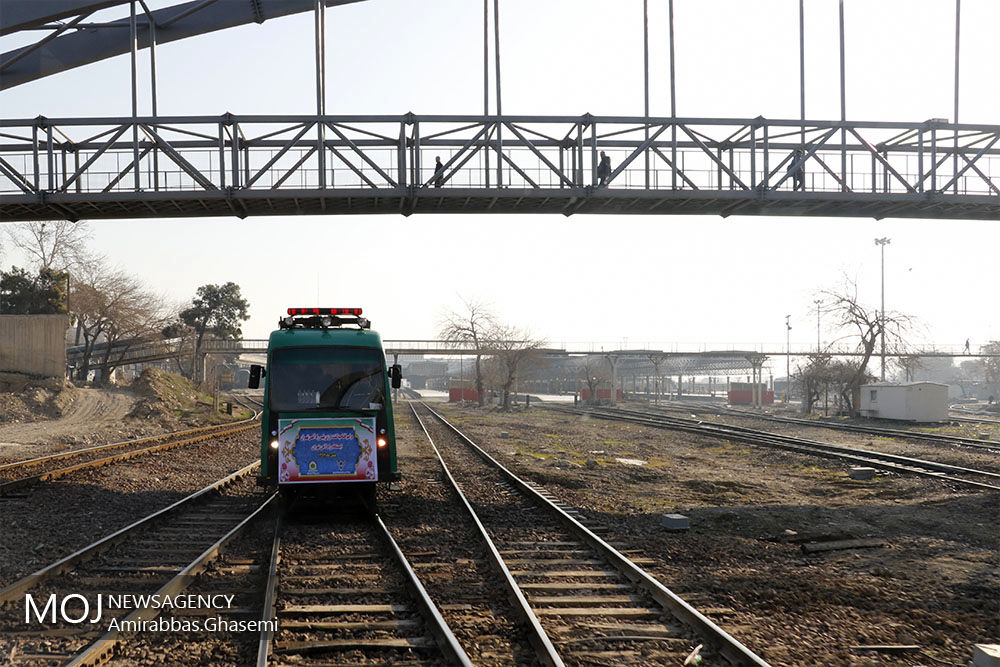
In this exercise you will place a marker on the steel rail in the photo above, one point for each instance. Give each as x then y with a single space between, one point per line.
902 460
544 648
125 443
971 416
975 420
17 589
445 638
104 648
882 460
447 642
270 587
861 428
719 639
6 487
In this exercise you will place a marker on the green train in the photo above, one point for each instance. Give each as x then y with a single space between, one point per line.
327 425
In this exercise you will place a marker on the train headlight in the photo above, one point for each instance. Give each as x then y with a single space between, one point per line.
326 322
382 442
274 444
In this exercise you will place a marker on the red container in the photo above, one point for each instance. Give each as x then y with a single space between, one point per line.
456 394
745 397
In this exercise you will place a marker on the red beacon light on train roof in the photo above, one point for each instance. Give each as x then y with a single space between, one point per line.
323 318
324 311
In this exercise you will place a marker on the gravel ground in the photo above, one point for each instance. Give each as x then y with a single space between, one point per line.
53 519
241 571
934 584
434 530
514 523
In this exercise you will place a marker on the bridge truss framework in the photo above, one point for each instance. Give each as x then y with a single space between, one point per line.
84 168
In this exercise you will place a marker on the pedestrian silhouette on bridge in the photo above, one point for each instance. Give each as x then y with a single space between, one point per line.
438 172
798 170
603 170
967 346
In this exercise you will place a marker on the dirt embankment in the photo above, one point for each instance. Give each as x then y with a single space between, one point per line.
41 416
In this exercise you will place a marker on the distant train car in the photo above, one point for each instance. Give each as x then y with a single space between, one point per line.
327 425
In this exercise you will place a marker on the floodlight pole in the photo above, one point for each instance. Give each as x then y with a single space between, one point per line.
788 357
818 303
882 243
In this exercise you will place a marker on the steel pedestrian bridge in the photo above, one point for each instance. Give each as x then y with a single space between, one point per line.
91 168
142 166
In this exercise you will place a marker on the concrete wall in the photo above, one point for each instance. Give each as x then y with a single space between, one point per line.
33 344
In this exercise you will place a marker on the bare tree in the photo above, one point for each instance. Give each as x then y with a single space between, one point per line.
511 348
470 327
59 245
813 380
867 326
113 308
909 364
969 376
133 315
991 366
657 359
595 372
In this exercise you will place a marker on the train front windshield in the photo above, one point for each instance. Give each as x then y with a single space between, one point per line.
324 379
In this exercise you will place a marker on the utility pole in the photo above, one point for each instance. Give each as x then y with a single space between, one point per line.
882 243
788 357
818 303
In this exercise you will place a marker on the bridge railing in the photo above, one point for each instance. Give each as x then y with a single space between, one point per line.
111 156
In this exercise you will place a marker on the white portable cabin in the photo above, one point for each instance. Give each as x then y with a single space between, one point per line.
908 401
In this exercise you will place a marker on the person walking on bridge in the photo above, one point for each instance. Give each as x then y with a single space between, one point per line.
798 170
438 172
603 170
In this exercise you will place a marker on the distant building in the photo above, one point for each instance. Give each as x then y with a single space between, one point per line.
909 401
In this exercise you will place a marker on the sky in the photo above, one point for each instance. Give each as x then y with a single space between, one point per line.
669 282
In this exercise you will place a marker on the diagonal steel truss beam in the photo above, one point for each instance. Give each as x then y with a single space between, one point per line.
180 21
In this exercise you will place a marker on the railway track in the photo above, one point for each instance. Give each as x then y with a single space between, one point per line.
443 541
123 580
344 591
967 477
591 603
20 474
905 434
971 416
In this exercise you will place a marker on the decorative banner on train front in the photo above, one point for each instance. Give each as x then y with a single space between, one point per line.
327 450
